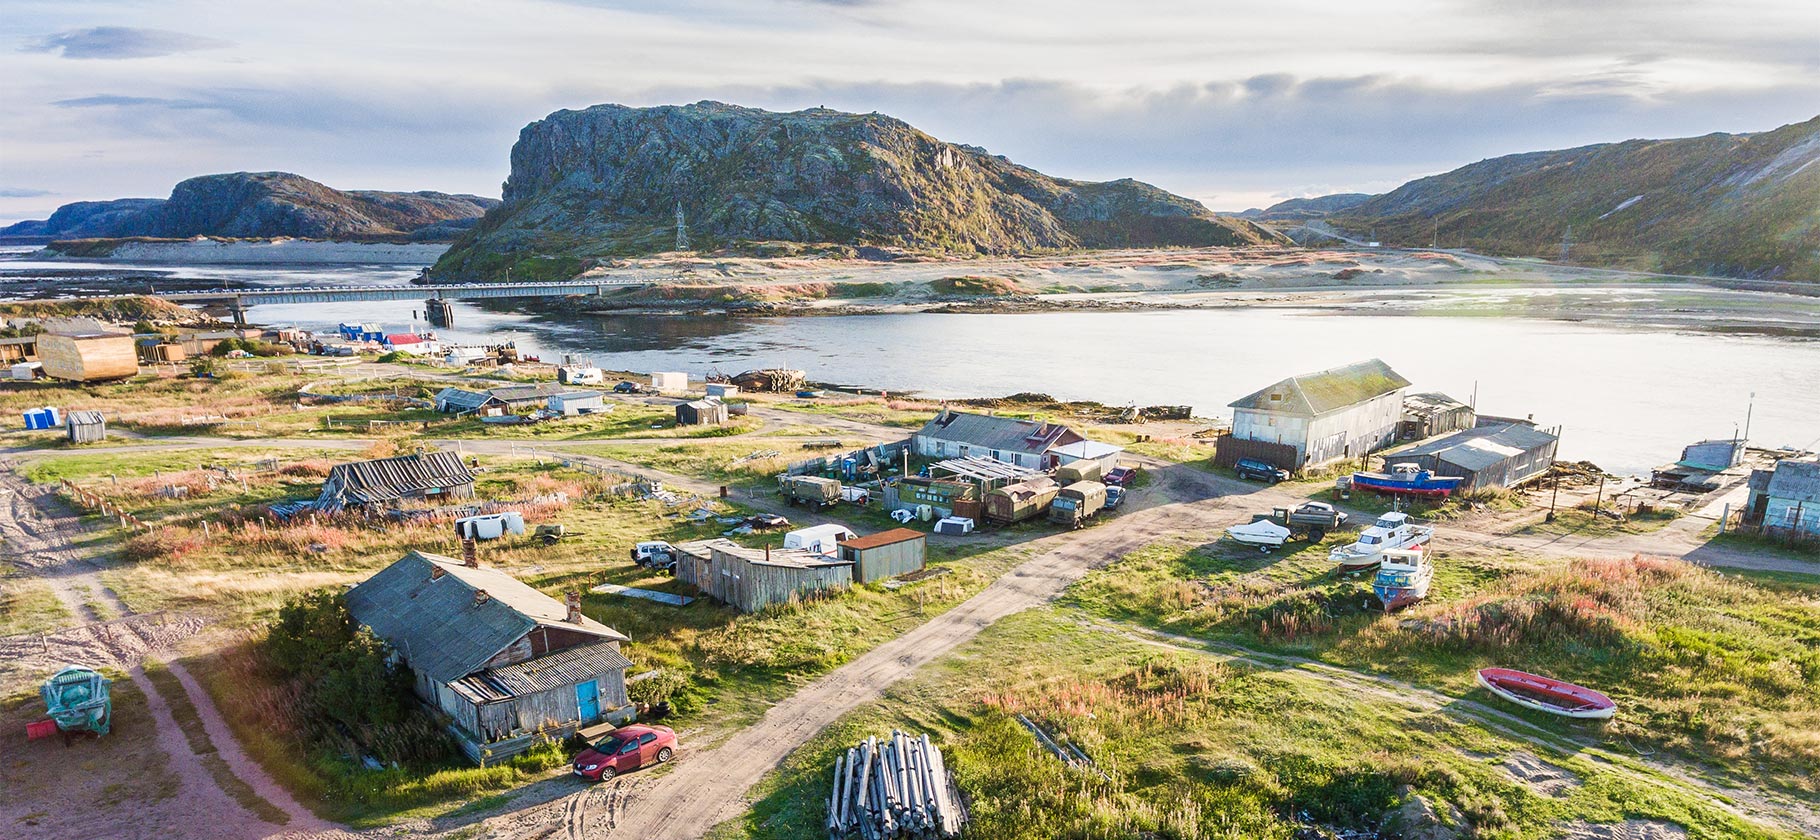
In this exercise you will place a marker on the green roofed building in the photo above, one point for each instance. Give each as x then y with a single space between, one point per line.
1320 417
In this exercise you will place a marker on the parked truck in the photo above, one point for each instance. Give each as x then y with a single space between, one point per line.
1077 503
812 490
1313 519
1021 501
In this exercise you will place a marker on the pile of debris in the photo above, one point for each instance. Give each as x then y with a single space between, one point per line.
895 788
1575 473
771 380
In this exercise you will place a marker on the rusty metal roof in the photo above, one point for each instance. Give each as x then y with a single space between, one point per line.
891 537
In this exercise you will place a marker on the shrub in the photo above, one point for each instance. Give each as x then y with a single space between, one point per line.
166 544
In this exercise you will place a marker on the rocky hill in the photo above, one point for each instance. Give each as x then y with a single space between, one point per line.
607 181
1726 204
263 205
1298 209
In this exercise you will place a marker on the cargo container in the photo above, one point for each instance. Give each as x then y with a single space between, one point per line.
1021 501
1077 503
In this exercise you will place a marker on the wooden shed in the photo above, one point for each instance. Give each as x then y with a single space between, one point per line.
88 357
1487 456
508 664
429 475
701 413
85 426
750 579
886 554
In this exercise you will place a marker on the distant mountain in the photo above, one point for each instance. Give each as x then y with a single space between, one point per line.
1301 209
608 180
1727 204
261 205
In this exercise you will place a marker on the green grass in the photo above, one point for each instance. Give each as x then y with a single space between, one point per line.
1195 746
29 605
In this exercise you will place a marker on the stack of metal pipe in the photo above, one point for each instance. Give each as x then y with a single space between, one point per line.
896 787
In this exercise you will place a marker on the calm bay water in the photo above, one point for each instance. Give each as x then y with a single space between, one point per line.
1628 396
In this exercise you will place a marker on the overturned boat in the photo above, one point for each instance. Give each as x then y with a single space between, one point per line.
1393 530
1406 480
1403 577
1546 694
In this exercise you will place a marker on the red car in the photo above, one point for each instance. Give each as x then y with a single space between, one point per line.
626 748
1121 476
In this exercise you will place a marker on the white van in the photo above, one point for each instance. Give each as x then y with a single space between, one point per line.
821 539
490 526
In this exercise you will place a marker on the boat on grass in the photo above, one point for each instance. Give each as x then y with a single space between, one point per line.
1406 480
1392 530
1545 694
1263 533
1403 578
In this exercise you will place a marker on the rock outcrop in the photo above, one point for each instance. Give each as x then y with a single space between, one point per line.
265 205
608 180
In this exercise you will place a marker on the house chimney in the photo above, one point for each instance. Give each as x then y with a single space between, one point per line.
437 571
470 553
481 597
573 600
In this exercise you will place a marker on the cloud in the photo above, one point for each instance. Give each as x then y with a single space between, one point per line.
22 192
108 100
122 42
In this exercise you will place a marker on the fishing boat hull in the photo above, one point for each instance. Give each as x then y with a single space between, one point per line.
1433 486
1398 597
1545 694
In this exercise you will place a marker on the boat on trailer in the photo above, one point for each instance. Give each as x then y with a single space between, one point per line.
1406 480
1403 578
1546 694
1262 533
1393 530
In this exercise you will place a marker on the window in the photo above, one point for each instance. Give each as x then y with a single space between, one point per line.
630 748
1276 398
647 738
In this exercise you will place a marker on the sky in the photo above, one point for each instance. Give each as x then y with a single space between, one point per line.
1235 104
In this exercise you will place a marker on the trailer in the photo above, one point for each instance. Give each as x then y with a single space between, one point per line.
812 490
1312 519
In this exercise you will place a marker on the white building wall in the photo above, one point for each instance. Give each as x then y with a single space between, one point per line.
1787 513
1272 427
1348 433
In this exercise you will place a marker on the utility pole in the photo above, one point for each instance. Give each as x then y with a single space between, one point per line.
1434 240
1554 494
1567 243
1749 409
682 229
1598 499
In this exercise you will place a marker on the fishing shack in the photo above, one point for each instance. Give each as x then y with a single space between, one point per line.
886 554
1428 414
85 426
1316 418
425 475
88 357
750 579
1498 455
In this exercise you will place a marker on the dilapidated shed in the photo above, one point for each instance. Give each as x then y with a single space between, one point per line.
750 579
85 426
886 554
1785 500
1487 456
426 475
1428 414
701 413
507 663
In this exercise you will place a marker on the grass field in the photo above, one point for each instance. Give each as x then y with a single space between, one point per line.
1194 746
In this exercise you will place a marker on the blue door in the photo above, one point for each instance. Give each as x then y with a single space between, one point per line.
587 697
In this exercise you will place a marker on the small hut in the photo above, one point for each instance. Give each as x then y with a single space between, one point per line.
883 555
85 426
701 413
430 475
88 357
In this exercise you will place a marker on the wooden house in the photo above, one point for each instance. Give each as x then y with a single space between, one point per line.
429 475
1025 443
85 426
453 400
885 555
750 579
1317 418
526 396
508 664
20 349
88 357
1504 455
1785 501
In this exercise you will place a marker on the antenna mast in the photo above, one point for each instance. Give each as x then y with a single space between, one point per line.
1567 242
682 229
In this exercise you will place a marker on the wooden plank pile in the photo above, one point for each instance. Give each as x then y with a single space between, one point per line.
897 787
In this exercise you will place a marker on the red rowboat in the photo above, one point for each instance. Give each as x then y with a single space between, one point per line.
1547 695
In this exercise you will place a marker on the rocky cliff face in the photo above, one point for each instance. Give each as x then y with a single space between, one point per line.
262 205
1728 204
607 181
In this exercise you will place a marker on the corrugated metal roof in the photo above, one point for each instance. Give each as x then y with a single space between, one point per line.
462 399
1003 433
528 393
578 395
1796 480
1430 403
1477 449
891 537
557 670
1329 390
389 479
438 624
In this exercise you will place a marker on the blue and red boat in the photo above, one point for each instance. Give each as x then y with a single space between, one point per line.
1406 480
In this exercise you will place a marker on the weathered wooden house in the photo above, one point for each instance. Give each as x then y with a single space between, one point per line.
88 357
1316 418
960 434
527 396
750 579
701 413
509 664
462 401
427 475
1487 456
1785 500
19 349
886 554
1429 414
85 426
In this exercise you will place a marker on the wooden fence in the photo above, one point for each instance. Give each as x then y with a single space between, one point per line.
1228 450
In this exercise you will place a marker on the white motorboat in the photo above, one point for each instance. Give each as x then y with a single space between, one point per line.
1392 530
1263 533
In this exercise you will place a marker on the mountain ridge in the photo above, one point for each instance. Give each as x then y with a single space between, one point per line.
606 181
263 205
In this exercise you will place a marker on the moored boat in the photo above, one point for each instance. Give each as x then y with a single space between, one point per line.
1403 578
1546 694
1407 480
1393 530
